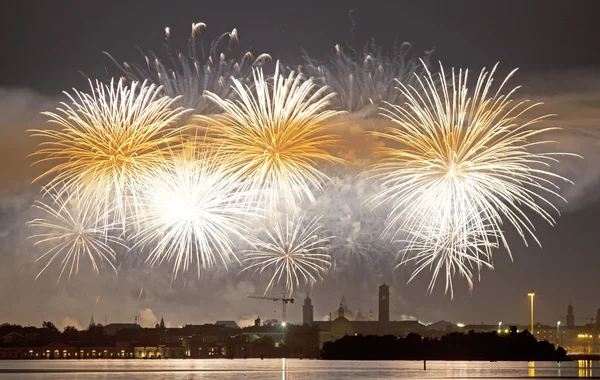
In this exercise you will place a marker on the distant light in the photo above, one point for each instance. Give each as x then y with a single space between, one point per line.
506 330
460 325
283 324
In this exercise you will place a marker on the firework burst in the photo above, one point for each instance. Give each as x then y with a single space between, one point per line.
463 155
191 74
277 135
107 143
363 81
190 209
73 231
292 251
449 248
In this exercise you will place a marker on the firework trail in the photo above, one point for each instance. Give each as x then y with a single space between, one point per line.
190 209
188 76
292 250
456 154
107 144
73 231
364 81
277 135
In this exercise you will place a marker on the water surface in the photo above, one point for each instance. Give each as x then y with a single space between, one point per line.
287 369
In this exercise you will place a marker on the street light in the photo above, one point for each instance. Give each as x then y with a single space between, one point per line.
499 327
531 295
558 333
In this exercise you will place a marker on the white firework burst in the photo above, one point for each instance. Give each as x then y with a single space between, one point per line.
191 208
291 252
467 155
73 231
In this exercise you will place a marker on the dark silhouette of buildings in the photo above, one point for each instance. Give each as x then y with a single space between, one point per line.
307 311
345 326
113 328
225 339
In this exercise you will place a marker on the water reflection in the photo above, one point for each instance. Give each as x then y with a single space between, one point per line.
287 369
531 371
283 369
585 368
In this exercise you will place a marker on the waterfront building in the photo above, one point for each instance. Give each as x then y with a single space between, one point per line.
357 325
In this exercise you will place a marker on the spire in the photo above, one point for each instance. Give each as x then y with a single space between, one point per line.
341 311
162 323
92 323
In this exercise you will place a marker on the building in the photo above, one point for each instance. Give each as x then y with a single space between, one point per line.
14 338
341 326
163 351
357 325
228 324
58 350
307 311
113 328
570 316
275 332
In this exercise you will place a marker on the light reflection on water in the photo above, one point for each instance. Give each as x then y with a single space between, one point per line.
286 369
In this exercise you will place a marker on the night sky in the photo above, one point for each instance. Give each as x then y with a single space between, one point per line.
50 46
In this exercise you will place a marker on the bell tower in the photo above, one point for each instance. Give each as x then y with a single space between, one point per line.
307 312
570 316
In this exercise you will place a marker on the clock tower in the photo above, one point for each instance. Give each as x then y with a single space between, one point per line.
384 303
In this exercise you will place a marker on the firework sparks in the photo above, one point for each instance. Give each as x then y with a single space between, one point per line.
292 250
277 135
364 81
189 211
448 248
73 231
191 75
463 155
107 143
356 247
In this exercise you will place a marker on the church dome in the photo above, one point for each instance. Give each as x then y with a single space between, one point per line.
341 327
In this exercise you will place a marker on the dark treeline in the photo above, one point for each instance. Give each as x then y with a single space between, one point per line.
455 346
49 333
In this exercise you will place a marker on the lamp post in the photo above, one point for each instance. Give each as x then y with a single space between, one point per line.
558 333
499 327
531 295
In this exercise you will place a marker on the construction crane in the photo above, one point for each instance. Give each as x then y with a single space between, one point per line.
284 301
587 319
